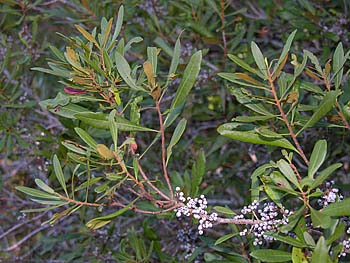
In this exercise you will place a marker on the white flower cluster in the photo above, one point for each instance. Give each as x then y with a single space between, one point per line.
330 195
195 207
346 248
269 218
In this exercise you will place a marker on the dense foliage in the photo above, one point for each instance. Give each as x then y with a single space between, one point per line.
174 131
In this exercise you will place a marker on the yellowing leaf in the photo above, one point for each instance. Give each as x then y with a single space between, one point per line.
104 151
87 35
247 78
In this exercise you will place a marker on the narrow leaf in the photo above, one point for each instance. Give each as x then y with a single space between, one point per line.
224 210
113 129
174 61
327 104
320 219
288 172
104 151
103 220
59 173
36 193
271 255
247 133
224 238
86 137
286 48
125 71
87 35
259 59
179 130
321 178
336 209
44 186
318 156
244 65
187 82
320 254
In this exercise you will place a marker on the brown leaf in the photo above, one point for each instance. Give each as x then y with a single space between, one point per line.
148 69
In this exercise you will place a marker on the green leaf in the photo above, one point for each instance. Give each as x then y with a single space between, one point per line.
247 133
59 173
106 32
51 72
324 174
314 61
338 63
298 256
244 65
174 61
224 210
287 239
340 208
187 81
280 181
86 137
320 254
125 71
326 105
319 219
259 59
37 193
338 233
101 121
238 77
250 119
250 102
198 172
99 222
255 181
286 49
224 238
288 172
134 40
179 130
309 239
95 119
67 111
44 186
318 156
118 25
271 255
152 57
113 129
74 147
43 209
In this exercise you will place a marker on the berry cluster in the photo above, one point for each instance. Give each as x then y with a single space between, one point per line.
268 216
330 195
195 207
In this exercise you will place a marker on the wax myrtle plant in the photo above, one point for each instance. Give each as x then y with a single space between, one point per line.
105 104
300 215
109 102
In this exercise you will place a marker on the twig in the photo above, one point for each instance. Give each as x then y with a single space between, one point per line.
161 128
20 224
284 117
17 244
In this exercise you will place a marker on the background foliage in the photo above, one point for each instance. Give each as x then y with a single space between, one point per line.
30 135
